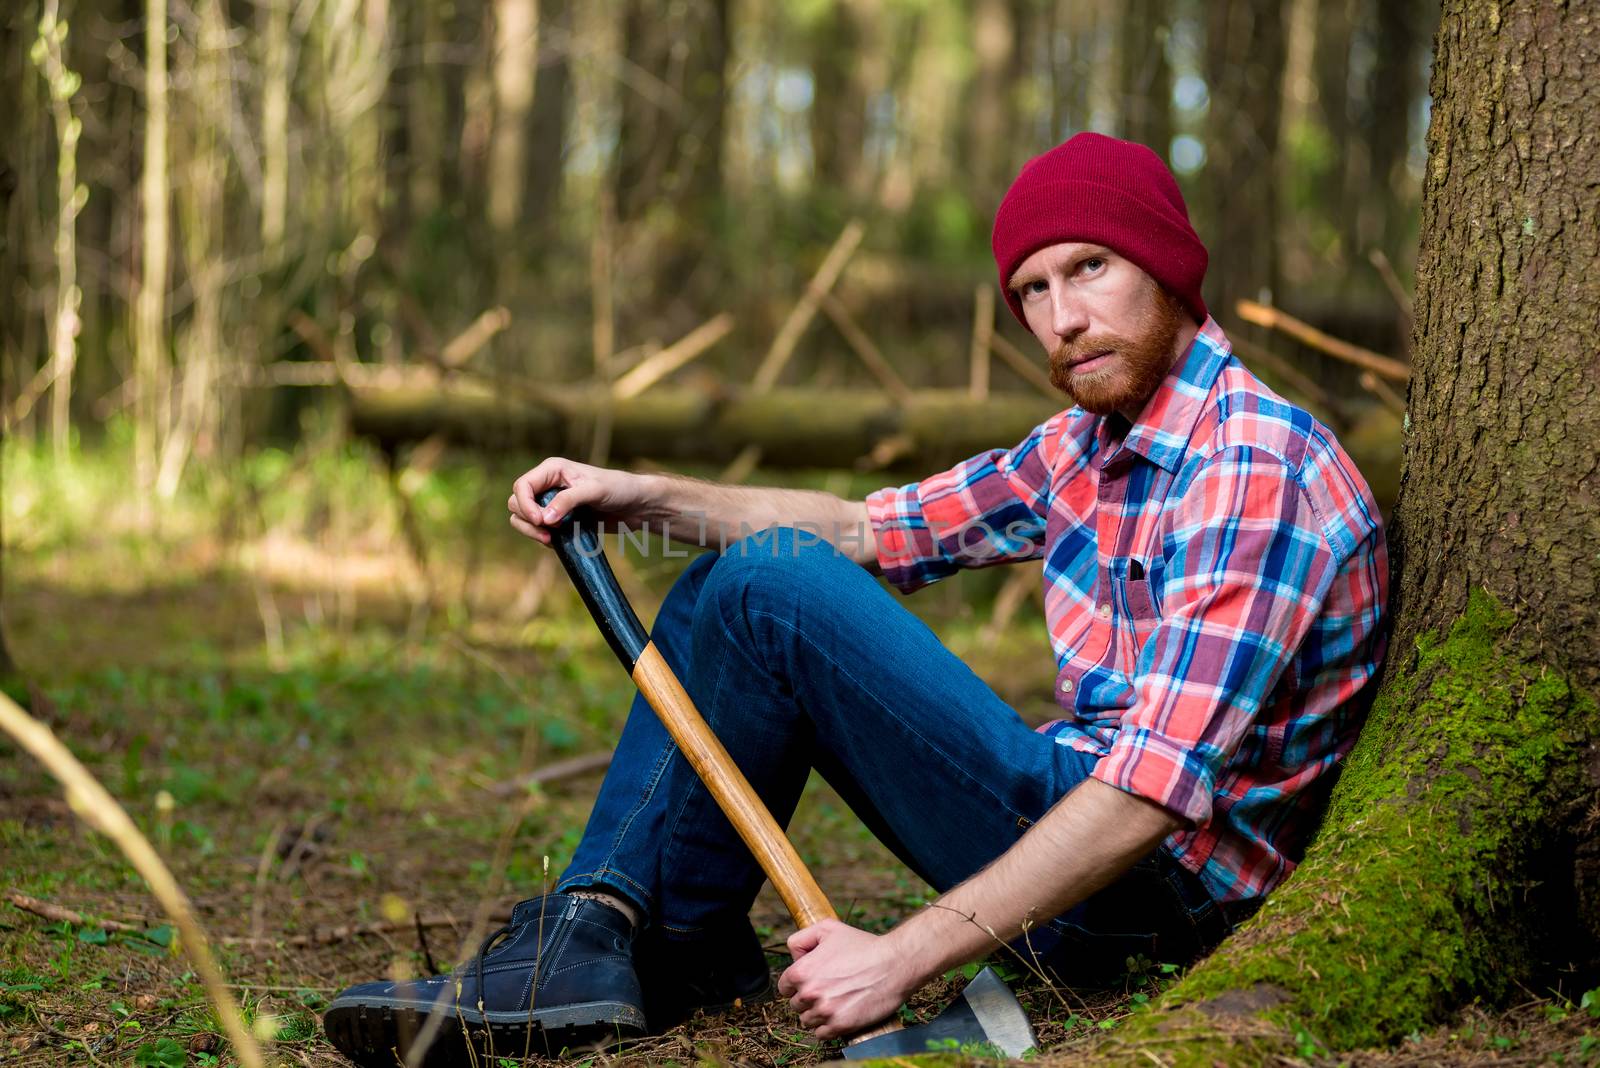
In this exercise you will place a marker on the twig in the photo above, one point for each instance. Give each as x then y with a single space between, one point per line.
301 848
783 346
1306 334
1396 288
42 380
313 335
466 344
740 467
865 350
61 914
1025 368
655 367
982 332
96 807
422 940
258 905
1384 392
561 770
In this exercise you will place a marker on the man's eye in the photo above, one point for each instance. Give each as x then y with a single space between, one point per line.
1093 263
1038 285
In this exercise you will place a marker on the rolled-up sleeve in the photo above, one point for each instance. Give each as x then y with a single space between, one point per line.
1249 569
989 509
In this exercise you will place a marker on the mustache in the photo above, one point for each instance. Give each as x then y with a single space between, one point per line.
1075 351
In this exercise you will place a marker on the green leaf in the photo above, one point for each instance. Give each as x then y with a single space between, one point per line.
94 936
162 1053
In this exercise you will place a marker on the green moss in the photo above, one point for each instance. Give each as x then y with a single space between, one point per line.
1401 909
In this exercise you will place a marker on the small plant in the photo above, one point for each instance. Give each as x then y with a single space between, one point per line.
1306 1044
162 1053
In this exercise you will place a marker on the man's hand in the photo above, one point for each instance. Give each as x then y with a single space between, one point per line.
614 496
843 980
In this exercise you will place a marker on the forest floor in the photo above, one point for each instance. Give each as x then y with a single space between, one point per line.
318 732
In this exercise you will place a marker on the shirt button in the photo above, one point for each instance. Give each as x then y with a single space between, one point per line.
1104 611
1066 685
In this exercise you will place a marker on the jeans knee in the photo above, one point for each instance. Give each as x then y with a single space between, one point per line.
776 571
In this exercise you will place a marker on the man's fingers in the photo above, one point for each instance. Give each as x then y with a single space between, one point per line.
527 529
804 941
550 472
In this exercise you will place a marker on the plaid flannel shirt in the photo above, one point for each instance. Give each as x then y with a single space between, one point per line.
1215 577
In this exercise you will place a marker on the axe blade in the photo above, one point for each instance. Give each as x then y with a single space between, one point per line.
986 1012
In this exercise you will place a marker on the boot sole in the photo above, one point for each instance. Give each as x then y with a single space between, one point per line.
377 1034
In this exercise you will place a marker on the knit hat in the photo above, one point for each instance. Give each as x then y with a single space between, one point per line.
1098 189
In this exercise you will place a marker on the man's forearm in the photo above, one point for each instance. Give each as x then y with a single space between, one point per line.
1089 838
717 514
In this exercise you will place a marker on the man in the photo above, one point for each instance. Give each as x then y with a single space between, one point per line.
1215 577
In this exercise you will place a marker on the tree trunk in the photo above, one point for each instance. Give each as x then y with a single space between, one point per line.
552 99
849 67
426 114
989 112
1146 96
63 85
793 427
1244 70
150 305
516 59
276 67
669 146
1459 859
9 673
1403 26
838 112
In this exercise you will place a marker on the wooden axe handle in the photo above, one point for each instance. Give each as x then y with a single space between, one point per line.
733 792
578 545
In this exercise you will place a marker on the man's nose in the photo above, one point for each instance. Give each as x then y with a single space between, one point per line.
1068 316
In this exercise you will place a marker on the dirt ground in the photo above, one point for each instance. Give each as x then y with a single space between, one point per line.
319 743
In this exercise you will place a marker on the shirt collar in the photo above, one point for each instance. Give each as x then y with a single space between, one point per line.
1161 433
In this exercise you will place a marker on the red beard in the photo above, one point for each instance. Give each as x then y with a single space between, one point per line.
1134 369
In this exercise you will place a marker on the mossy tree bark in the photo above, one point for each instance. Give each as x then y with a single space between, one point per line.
1459 857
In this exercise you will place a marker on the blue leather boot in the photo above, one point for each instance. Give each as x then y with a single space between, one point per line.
559 975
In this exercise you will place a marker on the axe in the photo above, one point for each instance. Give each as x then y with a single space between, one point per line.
987 1012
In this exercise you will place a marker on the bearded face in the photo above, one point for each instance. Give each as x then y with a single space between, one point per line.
1104 372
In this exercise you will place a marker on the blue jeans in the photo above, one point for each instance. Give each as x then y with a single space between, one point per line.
799 658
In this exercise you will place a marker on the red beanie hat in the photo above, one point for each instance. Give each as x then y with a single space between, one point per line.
1100 190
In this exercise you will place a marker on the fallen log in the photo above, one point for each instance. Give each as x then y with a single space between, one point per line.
926 431
813 428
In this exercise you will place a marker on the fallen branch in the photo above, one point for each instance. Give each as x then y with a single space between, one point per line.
655 367
49 910
92 804
1306 334
865 350
783 346
1384 392
560 771
1024 368
465 345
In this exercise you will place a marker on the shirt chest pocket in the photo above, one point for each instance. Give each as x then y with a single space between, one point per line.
1136 586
